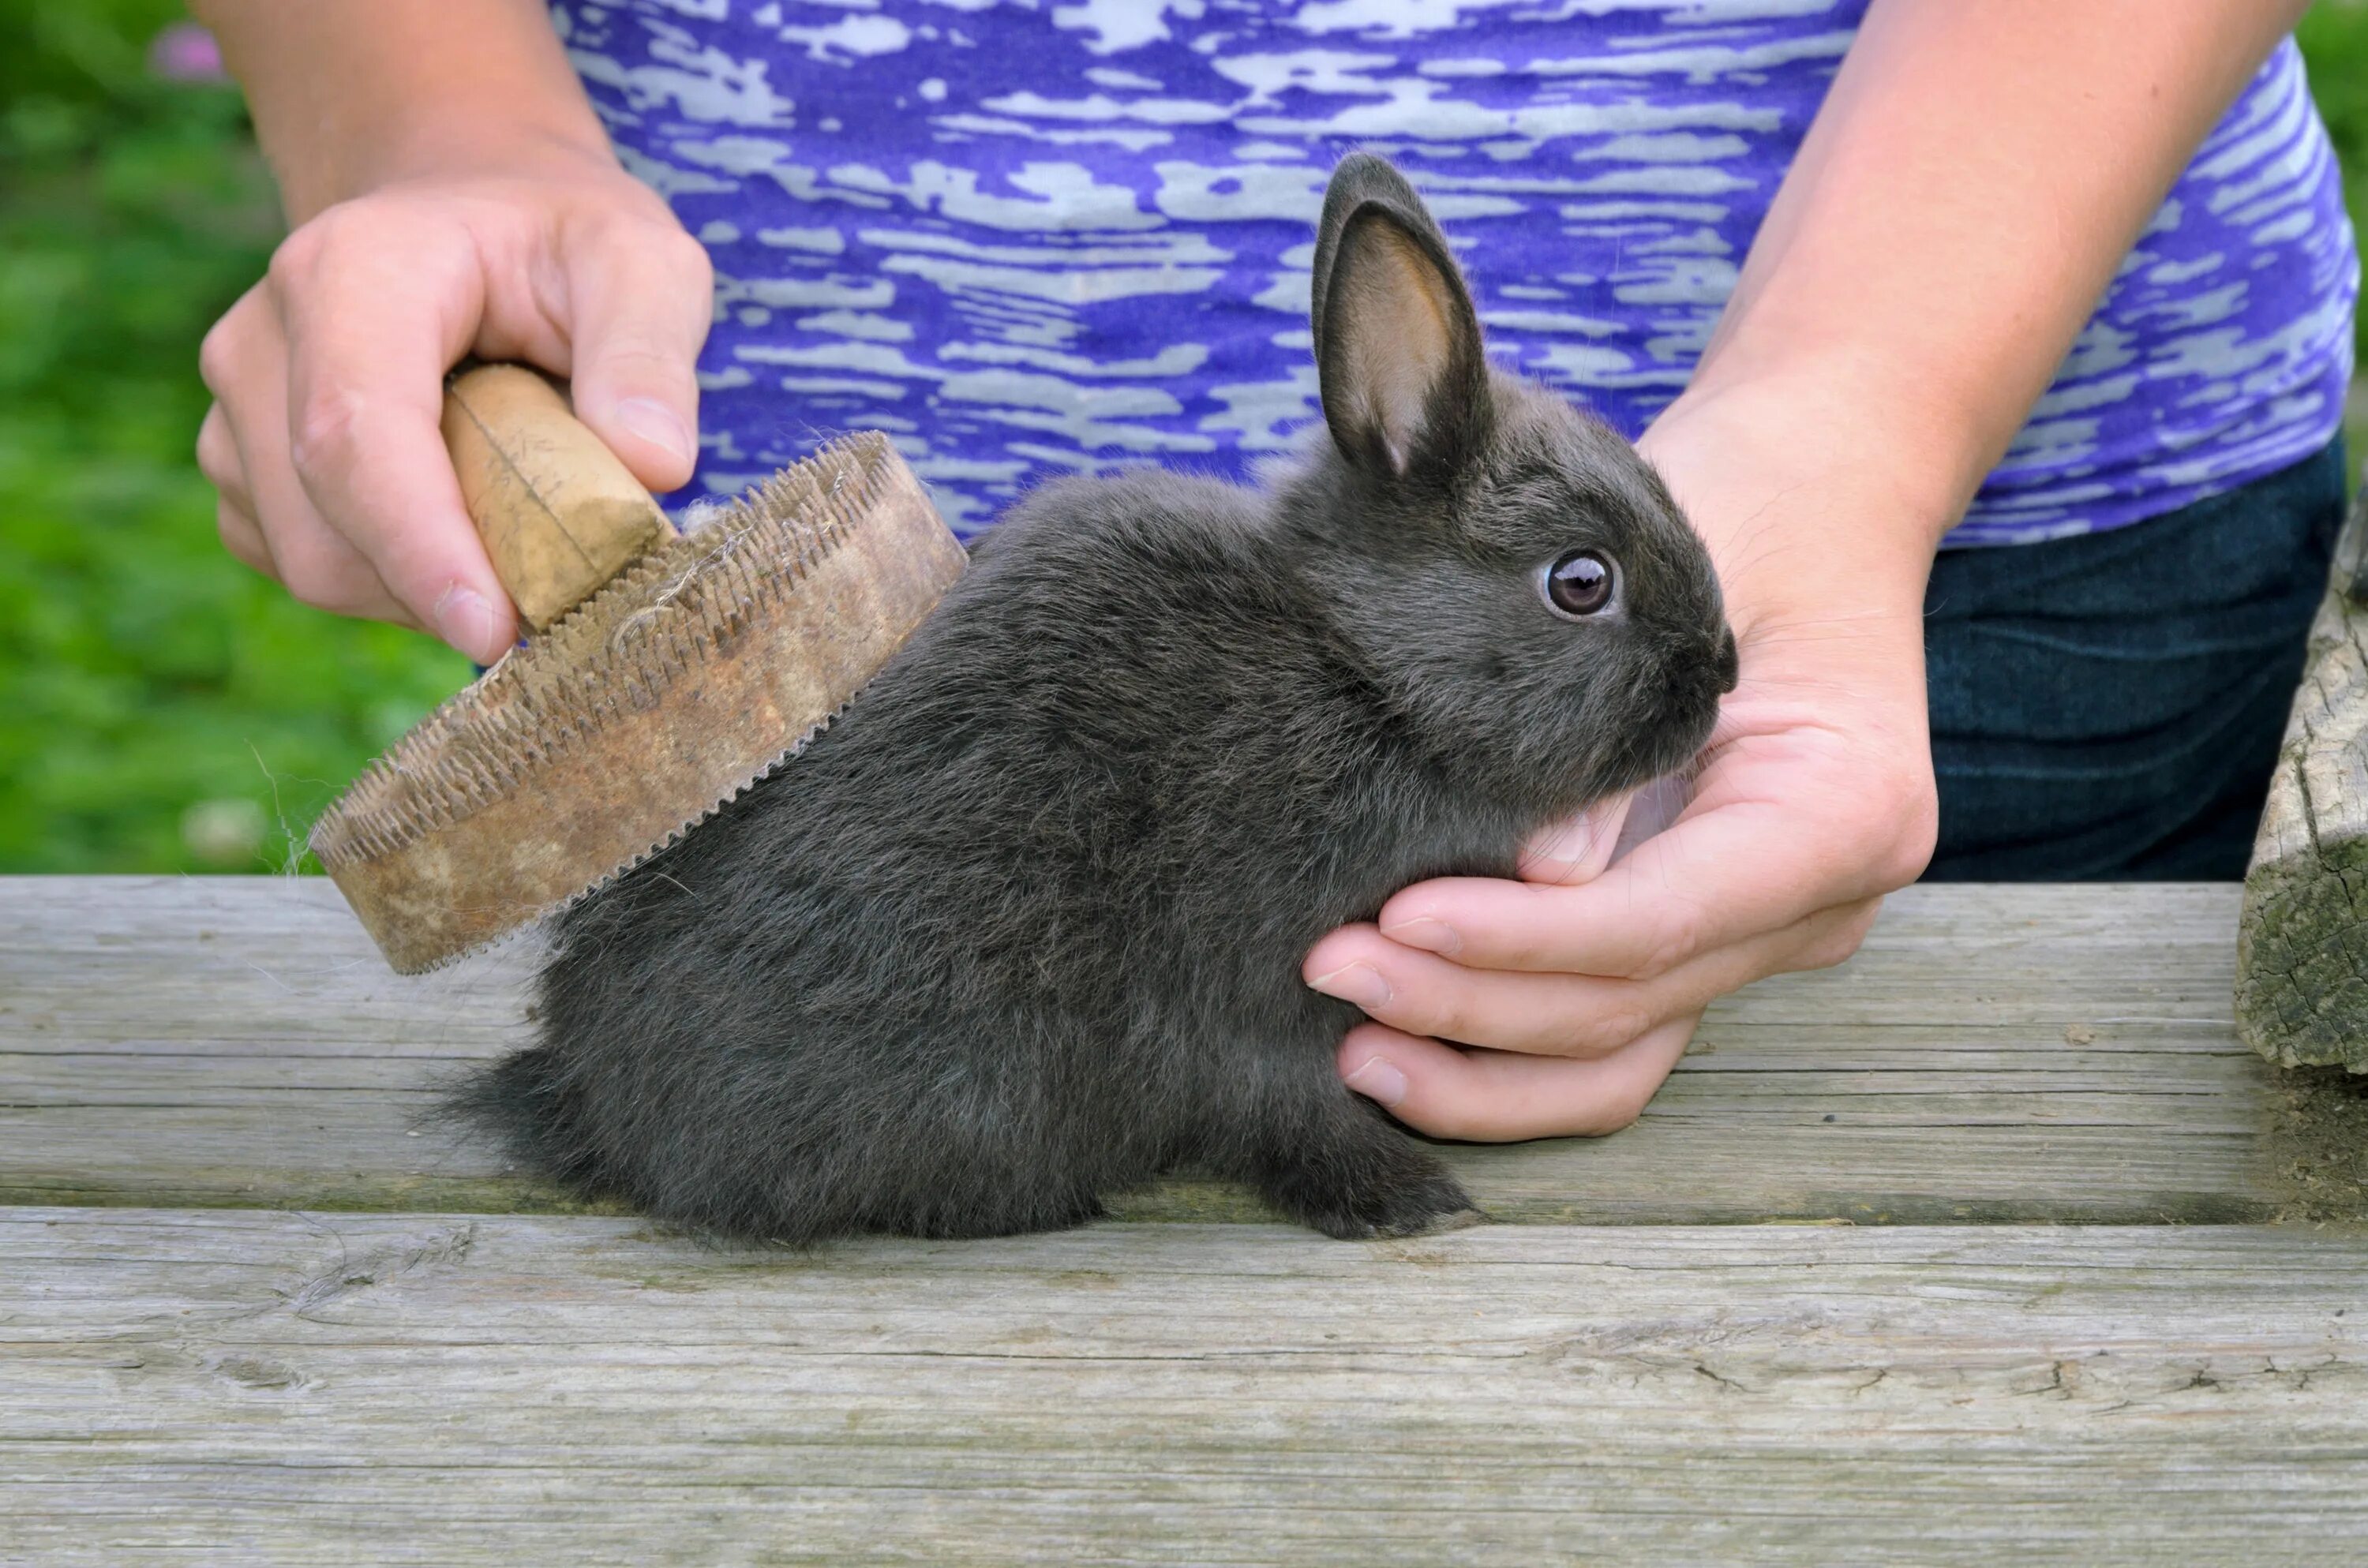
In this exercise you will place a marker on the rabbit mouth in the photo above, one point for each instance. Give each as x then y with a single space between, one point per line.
1683 730
1676 747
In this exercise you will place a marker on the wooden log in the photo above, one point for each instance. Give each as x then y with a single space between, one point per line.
256 1388
2302 944
1994 1054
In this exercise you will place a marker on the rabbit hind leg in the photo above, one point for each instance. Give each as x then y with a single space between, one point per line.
1057 1207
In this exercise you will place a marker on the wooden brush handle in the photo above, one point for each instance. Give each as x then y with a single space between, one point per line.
559 515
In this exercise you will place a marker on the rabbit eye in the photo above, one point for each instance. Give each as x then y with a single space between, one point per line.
1579 584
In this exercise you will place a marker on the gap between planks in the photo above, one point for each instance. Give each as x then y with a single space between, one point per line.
1995 1055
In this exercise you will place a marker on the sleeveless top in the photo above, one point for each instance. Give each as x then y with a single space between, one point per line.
1028 238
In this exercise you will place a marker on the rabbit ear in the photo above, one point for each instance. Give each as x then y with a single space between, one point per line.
1398 346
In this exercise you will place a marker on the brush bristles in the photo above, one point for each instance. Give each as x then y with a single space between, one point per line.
625 648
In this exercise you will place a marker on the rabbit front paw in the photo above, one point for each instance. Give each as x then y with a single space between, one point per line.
1363 1180
1421 1206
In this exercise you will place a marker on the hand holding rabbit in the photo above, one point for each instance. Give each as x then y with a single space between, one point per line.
1557 1001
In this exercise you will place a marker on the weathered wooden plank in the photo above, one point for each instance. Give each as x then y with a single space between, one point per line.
2302 973
262 1387
1996 1053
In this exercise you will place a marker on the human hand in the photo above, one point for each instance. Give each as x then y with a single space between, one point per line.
328 374
1558 1003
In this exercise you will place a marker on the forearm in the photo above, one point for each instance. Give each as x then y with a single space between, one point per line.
350 94
1974 177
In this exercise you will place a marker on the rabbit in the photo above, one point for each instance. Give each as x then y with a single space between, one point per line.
1022 929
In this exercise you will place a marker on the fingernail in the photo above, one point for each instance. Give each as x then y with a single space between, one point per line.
1377 1080
1432 936
655 423
465 620
1358 983
1568 845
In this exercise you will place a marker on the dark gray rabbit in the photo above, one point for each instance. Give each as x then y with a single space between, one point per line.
1024 927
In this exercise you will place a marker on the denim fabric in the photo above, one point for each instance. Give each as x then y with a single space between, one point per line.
2110 706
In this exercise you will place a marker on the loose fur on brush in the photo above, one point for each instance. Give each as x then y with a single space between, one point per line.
1024 927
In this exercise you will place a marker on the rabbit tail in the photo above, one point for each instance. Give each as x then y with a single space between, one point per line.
524 1101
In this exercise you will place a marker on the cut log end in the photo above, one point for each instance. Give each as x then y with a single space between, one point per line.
2302 942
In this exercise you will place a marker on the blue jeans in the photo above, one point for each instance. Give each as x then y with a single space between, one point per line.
2110 706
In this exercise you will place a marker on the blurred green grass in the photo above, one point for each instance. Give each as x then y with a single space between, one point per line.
2334 40
162 709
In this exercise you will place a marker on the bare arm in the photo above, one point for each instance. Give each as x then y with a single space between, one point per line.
1976 174
348 97
452 193
1974 179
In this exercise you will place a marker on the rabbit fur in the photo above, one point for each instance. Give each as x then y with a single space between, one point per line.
1023 928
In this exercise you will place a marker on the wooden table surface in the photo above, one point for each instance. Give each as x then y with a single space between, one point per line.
1993 1242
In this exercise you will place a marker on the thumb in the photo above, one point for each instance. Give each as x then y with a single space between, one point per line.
1577 849
642 301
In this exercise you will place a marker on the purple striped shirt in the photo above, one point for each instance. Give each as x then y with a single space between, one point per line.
1031 238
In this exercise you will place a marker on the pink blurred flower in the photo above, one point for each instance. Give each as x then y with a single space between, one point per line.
186 52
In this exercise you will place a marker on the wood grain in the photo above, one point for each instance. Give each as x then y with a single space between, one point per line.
1994 1054
559 513
276 1389
2302 973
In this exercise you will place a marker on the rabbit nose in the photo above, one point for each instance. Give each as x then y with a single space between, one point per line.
1727 664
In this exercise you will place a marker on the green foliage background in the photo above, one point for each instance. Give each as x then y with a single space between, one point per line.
143 671
162 709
